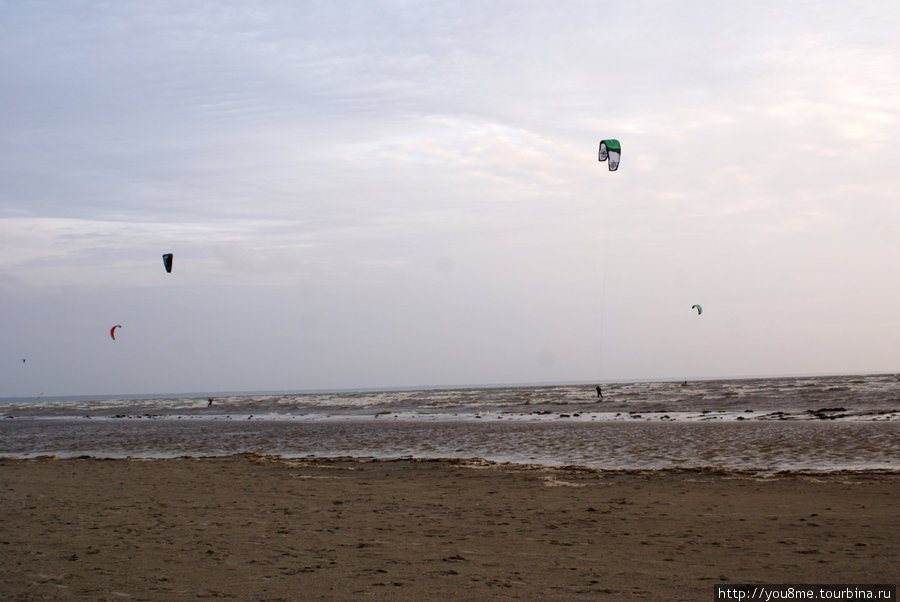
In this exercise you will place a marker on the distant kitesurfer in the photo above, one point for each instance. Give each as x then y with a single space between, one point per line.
210 400
599 393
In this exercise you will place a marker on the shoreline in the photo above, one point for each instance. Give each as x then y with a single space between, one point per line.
258 526
816 446
472 462
468 415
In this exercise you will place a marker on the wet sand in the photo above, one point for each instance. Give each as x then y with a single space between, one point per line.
255 527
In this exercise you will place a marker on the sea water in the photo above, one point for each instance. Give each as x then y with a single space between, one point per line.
825 423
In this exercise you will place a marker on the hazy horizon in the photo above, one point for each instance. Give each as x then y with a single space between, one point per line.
588 384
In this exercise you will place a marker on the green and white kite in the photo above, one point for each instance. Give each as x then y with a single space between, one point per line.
612 150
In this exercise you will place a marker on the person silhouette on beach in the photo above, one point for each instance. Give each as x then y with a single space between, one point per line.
599 393
210 400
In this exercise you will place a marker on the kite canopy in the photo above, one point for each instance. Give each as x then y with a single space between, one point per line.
698 308
112 331
167 261
611 150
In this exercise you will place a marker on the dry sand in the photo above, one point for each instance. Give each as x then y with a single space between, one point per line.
254 527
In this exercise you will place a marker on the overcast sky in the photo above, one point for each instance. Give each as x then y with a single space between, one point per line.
379 194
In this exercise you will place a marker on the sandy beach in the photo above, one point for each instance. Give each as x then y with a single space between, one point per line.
257 527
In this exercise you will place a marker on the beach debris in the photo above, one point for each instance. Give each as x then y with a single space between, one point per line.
698 308
779 415
112 331
611 150
167 262
827 413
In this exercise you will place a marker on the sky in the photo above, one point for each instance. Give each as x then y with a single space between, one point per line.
367 194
